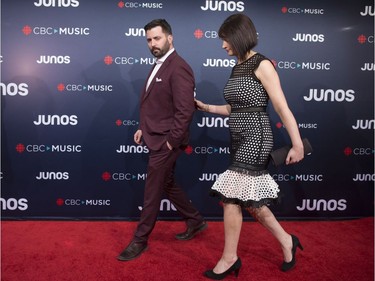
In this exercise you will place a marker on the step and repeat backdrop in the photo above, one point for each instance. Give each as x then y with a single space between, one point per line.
71 76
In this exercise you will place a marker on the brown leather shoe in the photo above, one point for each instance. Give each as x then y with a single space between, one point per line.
132 251
192 231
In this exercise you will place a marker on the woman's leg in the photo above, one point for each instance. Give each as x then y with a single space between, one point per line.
232 230
265 216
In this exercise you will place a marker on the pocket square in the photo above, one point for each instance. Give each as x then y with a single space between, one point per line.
158 79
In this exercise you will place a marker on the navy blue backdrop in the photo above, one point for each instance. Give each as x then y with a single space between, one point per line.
71 77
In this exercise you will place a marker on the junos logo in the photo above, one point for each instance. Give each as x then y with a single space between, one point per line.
368 67
52 176
165 205
364 125
136 149
225 6
13 89
219 63
369 11
135 32
364 177
63 120
13 204
53 60
217 122
322 205
330 95
57 3
208 177
306 37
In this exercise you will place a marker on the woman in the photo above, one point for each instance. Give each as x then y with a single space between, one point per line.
247 183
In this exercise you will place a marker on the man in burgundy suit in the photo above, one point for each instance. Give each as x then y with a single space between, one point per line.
166 110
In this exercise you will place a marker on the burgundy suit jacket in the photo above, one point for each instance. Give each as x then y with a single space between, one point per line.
167 107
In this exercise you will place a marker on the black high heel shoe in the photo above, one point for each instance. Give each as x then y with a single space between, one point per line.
234 268
286 266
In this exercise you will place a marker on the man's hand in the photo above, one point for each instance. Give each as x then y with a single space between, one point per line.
138 137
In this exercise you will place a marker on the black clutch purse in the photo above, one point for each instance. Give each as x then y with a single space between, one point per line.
278 156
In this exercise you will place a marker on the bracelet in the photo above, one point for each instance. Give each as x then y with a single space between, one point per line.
207 109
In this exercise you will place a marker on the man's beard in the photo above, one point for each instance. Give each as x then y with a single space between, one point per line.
158 53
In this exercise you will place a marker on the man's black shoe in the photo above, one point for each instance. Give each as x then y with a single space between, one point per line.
192 231
132 251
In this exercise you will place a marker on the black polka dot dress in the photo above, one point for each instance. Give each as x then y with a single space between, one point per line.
247 181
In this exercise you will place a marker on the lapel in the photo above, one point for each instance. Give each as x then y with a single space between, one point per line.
158 74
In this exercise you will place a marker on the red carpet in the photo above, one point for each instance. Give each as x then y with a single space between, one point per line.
81 250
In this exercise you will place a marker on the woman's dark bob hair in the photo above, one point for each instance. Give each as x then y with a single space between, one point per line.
239 31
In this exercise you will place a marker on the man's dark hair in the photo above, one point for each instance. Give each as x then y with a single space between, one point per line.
167 29
239 31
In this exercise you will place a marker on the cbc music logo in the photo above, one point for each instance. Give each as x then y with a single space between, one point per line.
298 178
369 11
305 11
363 39
123 176
359 151
322 205
214 122
13 204
202 150
13 89
139 5
57 3
83 202
292 65
89 88
223 6
48 31
133 149
364 124
308 37
208 34
120 122
108 60
219 63
330 95
280 125
54 148
59 120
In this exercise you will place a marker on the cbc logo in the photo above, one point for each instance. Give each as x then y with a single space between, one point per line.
210 34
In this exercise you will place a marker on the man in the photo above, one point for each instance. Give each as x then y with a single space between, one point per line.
166 110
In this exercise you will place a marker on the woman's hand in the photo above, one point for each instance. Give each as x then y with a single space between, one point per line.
295 155
201 106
